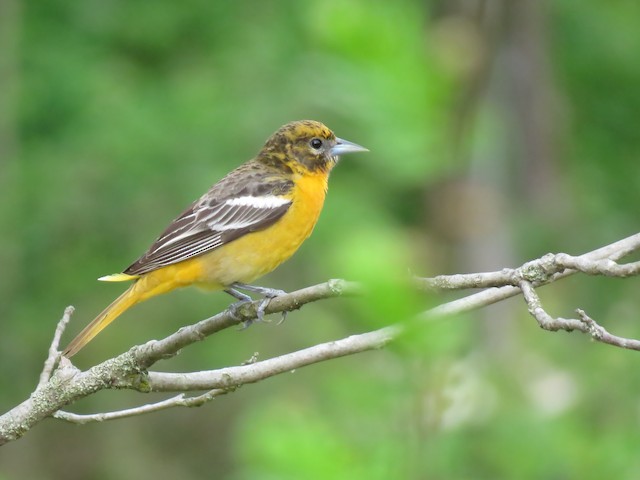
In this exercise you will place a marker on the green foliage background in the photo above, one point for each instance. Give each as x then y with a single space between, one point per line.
115 115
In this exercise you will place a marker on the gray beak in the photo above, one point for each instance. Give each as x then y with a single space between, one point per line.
344 146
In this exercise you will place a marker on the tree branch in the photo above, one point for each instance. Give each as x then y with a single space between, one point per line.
129 370
68 384
54 354
541 271
178 401
584 323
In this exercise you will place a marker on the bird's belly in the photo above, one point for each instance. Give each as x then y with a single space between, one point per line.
255 254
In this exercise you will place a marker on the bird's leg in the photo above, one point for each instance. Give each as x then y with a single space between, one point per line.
267 293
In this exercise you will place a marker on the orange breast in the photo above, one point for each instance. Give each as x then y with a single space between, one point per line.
258 253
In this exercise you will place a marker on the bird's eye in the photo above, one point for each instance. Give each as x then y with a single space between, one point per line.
315 143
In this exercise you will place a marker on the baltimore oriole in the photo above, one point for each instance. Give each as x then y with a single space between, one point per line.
246 225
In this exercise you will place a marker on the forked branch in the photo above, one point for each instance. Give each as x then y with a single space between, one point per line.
66 384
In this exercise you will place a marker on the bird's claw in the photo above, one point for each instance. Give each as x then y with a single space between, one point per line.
234 309
260 311
283 317
267 293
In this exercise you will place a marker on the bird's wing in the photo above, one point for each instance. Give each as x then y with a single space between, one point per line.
228 211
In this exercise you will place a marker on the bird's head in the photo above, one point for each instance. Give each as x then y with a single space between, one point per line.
306 145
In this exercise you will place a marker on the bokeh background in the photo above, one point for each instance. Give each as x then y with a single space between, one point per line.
499 130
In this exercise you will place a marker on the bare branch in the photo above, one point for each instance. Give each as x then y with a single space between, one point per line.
543 270
226 378
462 281
129 370
584 323
599 333
178 401
149 353
54 354
471 302
605 266
68 384
545 320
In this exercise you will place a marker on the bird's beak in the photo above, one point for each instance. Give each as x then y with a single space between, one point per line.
344 146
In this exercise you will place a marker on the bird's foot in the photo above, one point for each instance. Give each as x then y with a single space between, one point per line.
267 293
234 308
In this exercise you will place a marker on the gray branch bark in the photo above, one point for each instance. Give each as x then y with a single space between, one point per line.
65 384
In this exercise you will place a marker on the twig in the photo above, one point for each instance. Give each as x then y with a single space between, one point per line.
584 323
606 266
599 333
54 354
178 401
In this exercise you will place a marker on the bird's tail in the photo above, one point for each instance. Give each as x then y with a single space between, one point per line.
125 301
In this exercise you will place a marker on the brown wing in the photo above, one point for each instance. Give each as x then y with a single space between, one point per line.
247 200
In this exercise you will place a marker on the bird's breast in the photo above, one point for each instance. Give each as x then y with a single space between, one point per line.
256 254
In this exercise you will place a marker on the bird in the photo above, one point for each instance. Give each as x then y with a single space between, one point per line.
242 228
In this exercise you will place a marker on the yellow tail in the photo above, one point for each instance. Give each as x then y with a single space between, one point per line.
144 287
125 301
